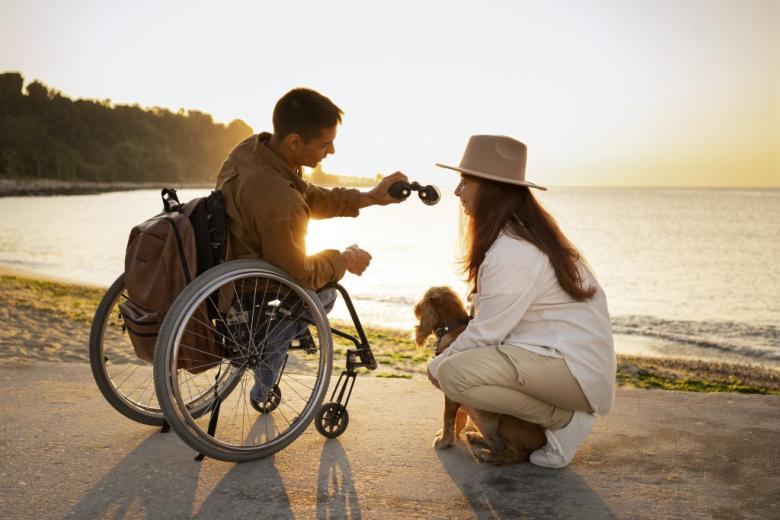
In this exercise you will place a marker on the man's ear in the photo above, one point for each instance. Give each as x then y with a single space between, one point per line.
294 142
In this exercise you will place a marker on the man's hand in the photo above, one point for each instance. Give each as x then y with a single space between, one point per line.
357 259
378 196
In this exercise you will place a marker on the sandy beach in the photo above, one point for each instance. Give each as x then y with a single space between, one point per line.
48 319
68 454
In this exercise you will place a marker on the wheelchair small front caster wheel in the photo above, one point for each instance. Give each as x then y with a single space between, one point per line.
271 402
332 420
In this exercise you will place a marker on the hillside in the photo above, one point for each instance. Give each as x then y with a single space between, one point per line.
46 135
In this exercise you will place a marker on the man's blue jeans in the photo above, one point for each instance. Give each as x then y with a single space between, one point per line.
276 342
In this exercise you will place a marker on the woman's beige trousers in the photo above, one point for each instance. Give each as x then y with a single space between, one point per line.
513 381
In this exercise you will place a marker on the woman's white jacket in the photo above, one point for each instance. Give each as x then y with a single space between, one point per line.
520 302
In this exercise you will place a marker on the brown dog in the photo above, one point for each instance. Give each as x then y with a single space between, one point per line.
500 439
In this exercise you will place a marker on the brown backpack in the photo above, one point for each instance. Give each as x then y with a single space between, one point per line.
164 254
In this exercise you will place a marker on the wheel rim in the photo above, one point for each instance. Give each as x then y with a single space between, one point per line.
253 312
334 419
131 379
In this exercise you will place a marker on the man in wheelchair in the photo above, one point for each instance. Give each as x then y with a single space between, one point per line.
268 205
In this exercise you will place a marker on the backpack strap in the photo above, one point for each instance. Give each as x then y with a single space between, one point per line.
170 200
199 220
217 225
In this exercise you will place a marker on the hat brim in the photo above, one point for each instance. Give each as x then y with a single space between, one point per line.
491 177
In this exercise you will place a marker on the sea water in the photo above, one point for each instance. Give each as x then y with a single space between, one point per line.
693 271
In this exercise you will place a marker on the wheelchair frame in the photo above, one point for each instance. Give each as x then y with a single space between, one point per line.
331 418
334 413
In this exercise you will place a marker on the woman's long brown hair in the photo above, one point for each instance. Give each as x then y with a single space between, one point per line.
497 205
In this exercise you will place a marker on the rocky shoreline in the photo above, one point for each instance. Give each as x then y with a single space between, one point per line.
14 187
45 187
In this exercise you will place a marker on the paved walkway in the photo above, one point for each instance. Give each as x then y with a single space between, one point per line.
64 452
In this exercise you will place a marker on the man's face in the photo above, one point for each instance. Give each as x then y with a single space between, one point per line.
313 152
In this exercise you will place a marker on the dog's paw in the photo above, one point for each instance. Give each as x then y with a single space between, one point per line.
474 437
484 455
442 441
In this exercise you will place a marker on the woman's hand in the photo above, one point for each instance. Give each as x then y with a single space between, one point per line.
433 380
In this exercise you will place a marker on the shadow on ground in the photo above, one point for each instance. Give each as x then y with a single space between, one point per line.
522 490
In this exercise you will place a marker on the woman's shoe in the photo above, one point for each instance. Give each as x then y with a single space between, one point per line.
562 444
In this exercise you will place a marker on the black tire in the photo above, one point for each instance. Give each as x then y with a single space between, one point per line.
332 420
112 357
249 318
126 382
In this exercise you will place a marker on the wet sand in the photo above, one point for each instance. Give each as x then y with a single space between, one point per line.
46 319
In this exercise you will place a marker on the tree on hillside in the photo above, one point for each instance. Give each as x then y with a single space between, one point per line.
44 134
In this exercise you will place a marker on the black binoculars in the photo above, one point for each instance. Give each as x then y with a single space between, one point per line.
430 195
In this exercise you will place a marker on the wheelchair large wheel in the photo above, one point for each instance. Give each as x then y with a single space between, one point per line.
125 381
270 329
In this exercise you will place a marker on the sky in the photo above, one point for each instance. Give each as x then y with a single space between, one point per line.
604 93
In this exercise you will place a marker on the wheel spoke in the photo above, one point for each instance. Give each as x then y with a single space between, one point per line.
260 315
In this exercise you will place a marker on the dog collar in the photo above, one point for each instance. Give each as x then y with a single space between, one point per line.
449 327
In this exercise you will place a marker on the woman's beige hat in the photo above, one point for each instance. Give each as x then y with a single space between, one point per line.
495 157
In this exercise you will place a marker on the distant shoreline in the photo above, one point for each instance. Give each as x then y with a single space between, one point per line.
48 187
45 187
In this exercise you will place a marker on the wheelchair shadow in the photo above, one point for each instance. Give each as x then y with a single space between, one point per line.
143 483
161 479
336 494
256 489
521 490
249 490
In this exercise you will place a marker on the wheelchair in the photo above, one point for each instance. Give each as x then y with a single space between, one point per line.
270 333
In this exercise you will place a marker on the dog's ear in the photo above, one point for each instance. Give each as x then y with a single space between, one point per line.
425 312
426 325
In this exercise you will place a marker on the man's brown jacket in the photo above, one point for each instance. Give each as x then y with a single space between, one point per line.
269 206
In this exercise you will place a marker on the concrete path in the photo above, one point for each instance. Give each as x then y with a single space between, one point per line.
64 452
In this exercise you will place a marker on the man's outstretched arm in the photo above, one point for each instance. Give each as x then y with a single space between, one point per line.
343 202
379 195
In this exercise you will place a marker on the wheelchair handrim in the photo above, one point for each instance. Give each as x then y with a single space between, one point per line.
99 361
197 406
294 427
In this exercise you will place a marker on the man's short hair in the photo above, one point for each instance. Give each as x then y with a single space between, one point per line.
304 112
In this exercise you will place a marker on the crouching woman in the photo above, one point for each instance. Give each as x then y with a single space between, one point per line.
540 345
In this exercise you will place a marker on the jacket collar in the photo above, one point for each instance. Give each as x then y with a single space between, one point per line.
261 147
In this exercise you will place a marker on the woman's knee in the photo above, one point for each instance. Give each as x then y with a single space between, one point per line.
450 379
